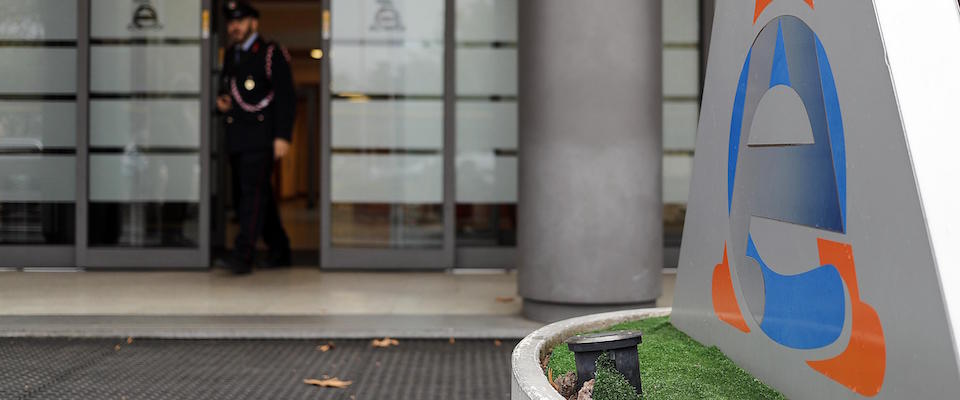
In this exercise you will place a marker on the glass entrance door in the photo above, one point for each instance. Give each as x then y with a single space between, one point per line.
38 119
148 102
103 114
387 180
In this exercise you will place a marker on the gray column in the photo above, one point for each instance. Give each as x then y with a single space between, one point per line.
590 216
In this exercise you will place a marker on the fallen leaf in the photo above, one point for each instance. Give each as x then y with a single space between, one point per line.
505 299
385 342
116 348
452 340
325 347
328 383
130 340
497 342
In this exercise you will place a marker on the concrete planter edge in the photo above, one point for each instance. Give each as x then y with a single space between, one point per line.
527 381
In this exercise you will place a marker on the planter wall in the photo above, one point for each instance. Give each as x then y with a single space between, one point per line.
527 379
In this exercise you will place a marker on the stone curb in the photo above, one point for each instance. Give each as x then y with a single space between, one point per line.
527 381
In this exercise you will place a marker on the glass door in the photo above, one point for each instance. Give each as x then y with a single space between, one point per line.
146 196
387 176
38 119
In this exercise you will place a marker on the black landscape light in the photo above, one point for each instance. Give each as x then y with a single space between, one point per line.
622 348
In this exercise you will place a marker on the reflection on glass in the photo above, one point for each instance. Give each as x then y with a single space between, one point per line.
387 225
36 223
486 225
387 124
170 224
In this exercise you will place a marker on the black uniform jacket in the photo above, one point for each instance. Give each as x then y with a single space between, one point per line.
260 86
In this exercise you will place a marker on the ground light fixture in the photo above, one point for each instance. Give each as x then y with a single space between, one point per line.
622 348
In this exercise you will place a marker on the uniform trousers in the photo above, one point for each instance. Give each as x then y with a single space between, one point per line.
257 209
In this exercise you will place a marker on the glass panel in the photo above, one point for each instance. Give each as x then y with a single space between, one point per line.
410 124
156 123
145 126
680 124
487 71
170 224
38 20
387 69
37 178
38 124
390 178
374 225
681 21
138 177
485 125
486 178
386 172
38 130
681 87
487 21
486 164
38 70
676 178
395 20
36 223
681 72
122 19
145 68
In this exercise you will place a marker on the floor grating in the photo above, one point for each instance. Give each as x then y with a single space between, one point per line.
251 369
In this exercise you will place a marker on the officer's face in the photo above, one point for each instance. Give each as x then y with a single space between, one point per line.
239 30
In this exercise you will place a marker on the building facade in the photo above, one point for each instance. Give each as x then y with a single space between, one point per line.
109 147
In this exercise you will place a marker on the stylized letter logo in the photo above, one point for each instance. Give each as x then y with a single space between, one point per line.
787 163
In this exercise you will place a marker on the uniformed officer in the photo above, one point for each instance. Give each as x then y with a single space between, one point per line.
258 102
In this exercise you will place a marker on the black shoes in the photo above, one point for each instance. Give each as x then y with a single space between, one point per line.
276 260
237 266
234 265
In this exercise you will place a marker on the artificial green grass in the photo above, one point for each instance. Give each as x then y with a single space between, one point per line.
673 366
610 384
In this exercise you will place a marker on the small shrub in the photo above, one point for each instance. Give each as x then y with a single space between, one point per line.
611 384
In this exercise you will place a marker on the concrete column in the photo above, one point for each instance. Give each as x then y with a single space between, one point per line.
590 217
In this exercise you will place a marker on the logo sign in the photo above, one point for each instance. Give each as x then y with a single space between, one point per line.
144 17
387 18
793 252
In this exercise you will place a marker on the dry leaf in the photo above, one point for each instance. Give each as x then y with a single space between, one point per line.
550 378
385 342
130 340
116 348
325 347
505 299
452 340
497 342
328 383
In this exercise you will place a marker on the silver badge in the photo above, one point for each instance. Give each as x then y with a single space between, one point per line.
249 84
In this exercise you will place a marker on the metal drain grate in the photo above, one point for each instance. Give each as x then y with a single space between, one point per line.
251 369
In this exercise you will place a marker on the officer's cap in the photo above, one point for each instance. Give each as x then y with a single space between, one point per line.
239 9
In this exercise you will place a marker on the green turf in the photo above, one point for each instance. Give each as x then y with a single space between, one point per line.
674 366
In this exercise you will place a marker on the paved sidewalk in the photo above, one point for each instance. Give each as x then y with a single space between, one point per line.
250 369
